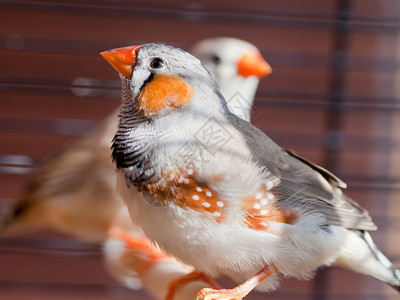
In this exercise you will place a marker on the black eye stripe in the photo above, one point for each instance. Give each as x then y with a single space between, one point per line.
150 78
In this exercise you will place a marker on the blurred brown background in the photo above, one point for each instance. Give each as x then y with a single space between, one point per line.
333 97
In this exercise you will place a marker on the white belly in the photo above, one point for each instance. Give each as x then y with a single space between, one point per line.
232 249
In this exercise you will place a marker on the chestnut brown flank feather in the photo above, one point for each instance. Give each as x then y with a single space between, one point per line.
188 193
260 211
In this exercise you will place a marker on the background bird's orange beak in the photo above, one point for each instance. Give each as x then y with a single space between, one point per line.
122 59
253 64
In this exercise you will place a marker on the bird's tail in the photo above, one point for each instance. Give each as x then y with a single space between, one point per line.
363 256
393 277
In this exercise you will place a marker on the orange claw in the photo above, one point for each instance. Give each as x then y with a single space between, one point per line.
240 291
185 279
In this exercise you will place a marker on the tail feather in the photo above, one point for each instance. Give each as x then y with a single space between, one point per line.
383 260
360 254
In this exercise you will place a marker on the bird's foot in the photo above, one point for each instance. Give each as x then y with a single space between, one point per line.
139 253
238 292
185 279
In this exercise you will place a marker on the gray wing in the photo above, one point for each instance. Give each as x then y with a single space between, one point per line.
329 176
303 183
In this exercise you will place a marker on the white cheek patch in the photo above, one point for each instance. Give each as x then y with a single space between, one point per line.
139 76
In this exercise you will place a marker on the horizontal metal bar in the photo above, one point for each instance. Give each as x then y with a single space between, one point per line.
215 13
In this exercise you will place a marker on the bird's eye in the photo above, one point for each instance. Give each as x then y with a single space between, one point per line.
157 63
216 59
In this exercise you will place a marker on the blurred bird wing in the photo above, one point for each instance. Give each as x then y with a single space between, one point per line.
81 168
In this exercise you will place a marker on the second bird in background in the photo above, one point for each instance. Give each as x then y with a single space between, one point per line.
237 66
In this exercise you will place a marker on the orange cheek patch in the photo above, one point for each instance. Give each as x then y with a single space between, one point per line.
162 92
188 193
260 210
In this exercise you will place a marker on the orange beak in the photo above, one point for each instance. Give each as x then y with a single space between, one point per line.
122 59
253 64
